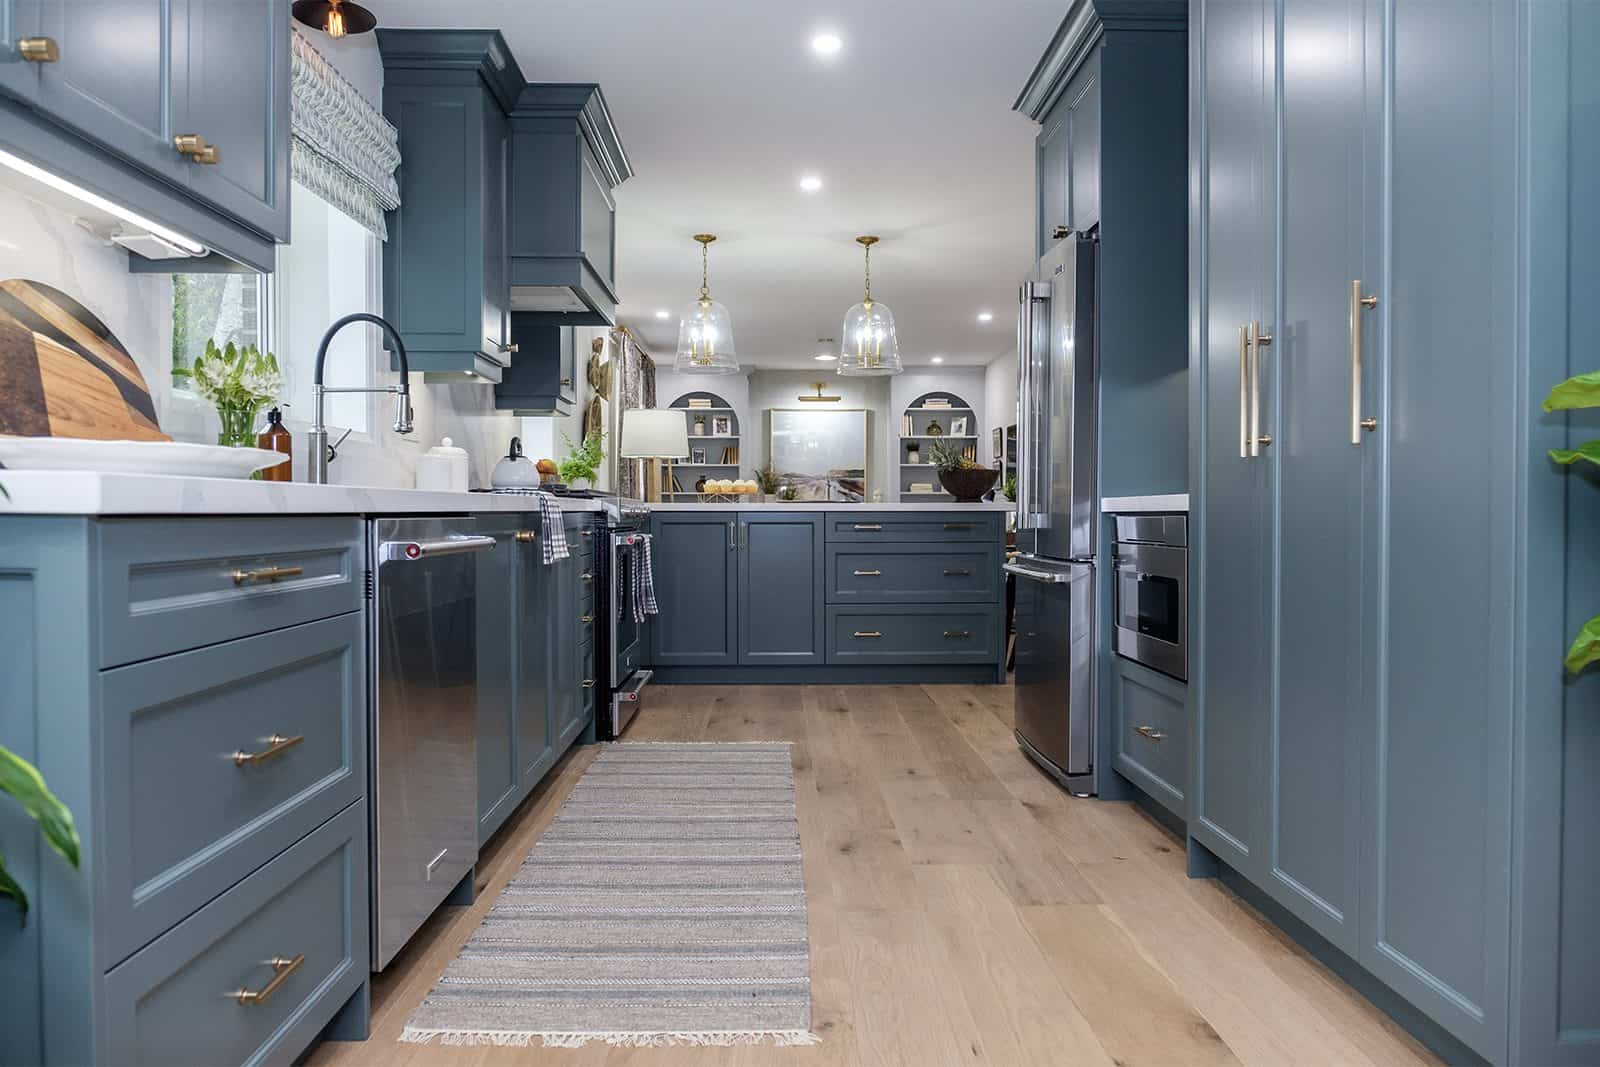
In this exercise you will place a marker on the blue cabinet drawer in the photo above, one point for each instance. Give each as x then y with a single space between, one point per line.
1152 725
166 585
913 633
299 922
912 573
914 526
214 761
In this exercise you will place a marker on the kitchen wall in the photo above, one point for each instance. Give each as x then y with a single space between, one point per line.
999 397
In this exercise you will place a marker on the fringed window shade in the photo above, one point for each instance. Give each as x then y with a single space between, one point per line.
341 147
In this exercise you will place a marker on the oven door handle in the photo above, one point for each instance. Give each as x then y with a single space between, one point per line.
410 551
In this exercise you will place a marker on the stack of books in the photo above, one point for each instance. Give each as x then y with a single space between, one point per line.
940 402
907 427
921 487
699 401
730 455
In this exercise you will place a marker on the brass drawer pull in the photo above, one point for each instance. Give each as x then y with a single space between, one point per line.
869 633
957 634
588 683
527 537
277 745
1151 732
281 970
506 349
39 49
957 572
266 574
194 146
958 526
586 618
869 574
869 526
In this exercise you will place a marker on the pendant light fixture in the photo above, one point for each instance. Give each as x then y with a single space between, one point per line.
336 18
705 329
869 346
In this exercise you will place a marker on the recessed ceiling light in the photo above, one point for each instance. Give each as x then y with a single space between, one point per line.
824 357
810 183
826 44
663 313
985 316
937 359
824 353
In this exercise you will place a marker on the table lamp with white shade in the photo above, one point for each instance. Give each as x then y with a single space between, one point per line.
654 434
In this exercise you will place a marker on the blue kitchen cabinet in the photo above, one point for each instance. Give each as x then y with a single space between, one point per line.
1052 165
1151 722
1067 159
696 570
445 270
572 647
542 379
500 663
780 575
534 741
19 62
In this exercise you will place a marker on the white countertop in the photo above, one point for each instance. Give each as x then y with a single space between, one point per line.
822 505
90 493
1112 505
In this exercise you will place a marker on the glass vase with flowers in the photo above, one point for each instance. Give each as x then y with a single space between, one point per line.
239 382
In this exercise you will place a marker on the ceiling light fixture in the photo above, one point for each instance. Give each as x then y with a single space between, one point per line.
95 200
705 329
819 398
870 347
810 183
985 316
336 18
663 313
824 350
937 359
826 44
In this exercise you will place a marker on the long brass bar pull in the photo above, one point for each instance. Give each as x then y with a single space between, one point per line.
1357 303
281 970
1244 392
265 574
277 744
1258 341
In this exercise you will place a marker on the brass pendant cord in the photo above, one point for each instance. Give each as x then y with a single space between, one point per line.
705 259
868 298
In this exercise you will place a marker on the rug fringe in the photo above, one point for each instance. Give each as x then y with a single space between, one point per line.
413 1035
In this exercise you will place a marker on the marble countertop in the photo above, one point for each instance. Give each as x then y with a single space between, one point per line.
1113 505
821 505
90 493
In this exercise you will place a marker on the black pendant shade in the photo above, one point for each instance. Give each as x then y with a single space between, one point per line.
336 18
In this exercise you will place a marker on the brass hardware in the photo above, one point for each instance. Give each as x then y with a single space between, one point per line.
1151 732
265 574
277 745
1257 341
958 526
586 618
956 634
1244 392
1357 303
957 572
869 574
566 381
281 970
527 537
194 146
819 398
588 683
587 576
38 49
868 526
1058 233
869 633
506 349
1265 440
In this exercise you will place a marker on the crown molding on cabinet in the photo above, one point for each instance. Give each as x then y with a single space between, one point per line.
1079 32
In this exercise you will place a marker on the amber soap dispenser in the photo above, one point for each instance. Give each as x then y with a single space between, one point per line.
276 438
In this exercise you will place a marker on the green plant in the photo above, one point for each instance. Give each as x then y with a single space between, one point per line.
1008 488
19 779
583 461
234 377
946 456
1582 391
767 478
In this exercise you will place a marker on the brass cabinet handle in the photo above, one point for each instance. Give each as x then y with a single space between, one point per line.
507 349
1151 732
869 574
957 572
281 970
958 526
527 537
586 618
194 146
957 634
1357 304
869 633
1060 233
588 683
587 576
277 745
265 574
39 49
869 526
566 382
1258 341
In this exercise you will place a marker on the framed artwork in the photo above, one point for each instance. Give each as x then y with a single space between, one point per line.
821 455
958 426
721 426
997 446
697 455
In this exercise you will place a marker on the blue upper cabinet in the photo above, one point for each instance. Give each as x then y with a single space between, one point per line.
23 49
542 378
566 159
444 265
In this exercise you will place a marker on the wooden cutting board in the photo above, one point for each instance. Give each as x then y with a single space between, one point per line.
63 373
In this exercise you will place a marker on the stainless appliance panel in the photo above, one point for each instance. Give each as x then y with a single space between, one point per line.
1054 691
1154 529
424 715
627 636
1150 606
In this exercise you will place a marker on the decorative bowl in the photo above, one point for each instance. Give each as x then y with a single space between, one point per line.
968 484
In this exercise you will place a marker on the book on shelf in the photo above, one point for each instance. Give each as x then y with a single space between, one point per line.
936 402
921 487
677 486
699 402
907 426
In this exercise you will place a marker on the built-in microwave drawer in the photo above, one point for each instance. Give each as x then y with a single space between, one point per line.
912 633
256 974
216 760
914 526
167 585
912 573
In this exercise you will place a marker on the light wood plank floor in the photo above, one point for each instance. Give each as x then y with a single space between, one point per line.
963 909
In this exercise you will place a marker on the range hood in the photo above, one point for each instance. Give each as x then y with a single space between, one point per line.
566 159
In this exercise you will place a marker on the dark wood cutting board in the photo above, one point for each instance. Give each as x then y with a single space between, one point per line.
63 373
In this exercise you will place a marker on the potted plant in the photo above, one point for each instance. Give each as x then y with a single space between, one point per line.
913 452
965 479
767 480
1582 391
699 425
1008 488
21 780
238 382
583 461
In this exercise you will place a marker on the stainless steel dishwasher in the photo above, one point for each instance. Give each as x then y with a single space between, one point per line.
424 759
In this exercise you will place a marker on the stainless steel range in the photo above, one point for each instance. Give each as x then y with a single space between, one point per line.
624 639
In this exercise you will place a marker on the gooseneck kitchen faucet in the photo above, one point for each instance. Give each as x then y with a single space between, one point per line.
317 439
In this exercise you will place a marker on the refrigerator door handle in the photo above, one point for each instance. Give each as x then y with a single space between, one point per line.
1029 392
1052 577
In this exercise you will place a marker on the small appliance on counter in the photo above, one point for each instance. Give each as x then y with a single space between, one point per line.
515 470
623 642
443 468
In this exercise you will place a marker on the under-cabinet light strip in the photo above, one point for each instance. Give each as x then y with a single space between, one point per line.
78 192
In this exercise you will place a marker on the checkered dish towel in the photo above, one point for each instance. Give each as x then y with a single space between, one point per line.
554 535
644 579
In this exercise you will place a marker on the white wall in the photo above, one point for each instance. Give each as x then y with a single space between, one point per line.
999 397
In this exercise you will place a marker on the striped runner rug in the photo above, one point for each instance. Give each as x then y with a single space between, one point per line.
664 905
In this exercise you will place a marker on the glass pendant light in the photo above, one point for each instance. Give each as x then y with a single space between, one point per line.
336 18
868 345
705 329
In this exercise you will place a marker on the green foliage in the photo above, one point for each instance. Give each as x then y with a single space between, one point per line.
1579 391
1586 648
1008 488
583 461
234 377
1589 452
945 456
19 779
767 478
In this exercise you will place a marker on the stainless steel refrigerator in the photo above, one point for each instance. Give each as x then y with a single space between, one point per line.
1057 513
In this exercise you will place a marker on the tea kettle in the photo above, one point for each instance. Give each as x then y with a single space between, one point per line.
515 471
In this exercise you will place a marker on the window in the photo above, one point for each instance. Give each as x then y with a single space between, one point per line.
330 268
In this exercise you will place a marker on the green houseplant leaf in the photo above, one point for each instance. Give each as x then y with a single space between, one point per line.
10 888
1579 391
1589 452
19 779
1586 648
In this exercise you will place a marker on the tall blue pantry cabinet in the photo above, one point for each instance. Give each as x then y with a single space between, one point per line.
1392 260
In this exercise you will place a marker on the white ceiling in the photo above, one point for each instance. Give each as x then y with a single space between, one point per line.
722 105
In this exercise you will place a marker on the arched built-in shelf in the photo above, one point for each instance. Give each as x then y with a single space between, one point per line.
721 449
946 412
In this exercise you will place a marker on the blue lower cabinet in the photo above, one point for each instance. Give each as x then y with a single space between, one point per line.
697 584
913 633
498 623
253 976
534 727
912 573
780 574
1150 717
889 526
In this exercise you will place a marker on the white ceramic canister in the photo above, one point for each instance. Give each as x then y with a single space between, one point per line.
443 468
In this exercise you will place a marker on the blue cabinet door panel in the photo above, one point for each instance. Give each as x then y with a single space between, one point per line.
913 633
1152 724
535 752
500 621
697 584
780 588
18 19
912 573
